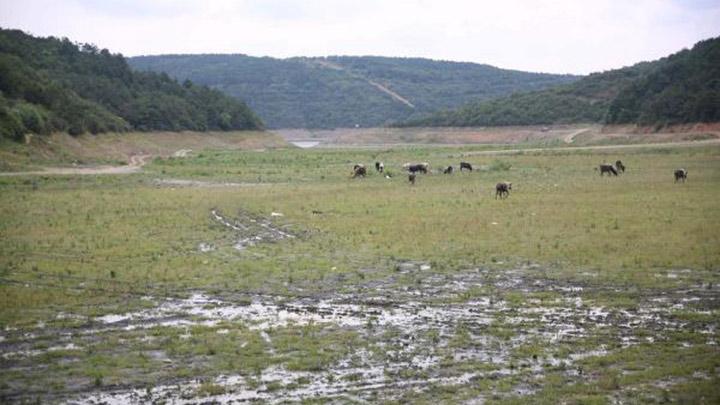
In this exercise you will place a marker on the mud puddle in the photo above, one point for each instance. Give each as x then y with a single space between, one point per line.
411 340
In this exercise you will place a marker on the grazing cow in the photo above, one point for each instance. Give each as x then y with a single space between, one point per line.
448 170
502 189
359 170
417 167
620 166
680 174
379 166
465 165
607 168
411 178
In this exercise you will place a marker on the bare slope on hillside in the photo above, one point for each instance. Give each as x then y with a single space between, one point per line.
118 153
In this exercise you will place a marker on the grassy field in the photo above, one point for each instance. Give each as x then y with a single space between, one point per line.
576 288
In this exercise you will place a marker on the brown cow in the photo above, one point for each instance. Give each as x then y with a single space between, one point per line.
359 170
502 189
448 170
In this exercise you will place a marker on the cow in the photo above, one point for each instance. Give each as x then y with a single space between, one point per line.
620 166
607 168
379 166
359 170
465 165
448 170
411 178
417 167
502 189
680 174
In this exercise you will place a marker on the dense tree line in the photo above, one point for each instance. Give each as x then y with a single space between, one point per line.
684 87
51 84
337 91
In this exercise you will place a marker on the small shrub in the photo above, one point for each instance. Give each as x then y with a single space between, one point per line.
499 166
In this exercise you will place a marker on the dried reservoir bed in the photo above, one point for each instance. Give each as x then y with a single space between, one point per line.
188 282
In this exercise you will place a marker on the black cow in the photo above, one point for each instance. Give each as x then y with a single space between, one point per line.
680 174
448 170
502 189
465 165
379 166
620 166
411 178
359 170
417 167
607 168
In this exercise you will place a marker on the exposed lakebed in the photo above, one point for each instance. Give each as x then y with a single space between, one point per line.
446 330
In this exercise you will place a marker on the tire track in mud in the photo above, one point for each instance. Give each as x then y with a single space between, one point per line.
251 230
410 333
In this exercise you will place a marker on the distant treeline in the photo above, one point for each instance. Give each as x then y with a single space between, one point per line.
345 91
51 84
681 88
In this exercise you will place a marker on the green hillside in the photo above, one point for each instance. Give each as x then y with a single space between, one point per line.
684 87
346 91
50 84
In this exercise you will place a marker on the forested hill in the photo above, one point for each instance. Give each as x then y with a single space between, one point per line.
681 88
50 84
346 91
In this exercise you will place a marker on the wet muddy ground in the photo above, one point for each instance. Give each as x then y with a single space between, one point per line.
455 330
476 335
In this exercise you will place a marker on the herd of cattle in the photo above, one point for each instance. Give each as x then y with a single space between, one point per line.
502 189
680 174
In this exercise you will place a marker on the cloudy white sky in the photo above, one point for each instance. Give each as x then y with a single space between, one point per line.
558 36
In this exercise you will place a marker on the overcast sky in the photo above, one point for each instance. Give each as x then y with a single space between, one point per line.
558 36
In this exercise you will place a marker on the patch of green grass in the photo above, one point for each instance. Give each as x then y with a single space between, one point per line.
312 348
210 389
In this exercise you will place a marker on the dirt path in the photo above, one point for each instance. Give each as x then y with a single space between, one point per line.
395 96
570 137
709 142
134 166
391 93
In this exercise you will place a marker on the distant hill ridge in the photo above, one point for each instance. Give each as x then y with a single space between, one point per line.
345 91
50 84
681 88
